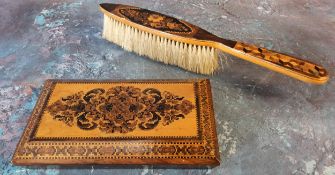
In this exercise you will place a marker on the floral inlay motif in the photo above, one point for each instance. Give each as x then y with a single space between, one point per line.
120 109
155 20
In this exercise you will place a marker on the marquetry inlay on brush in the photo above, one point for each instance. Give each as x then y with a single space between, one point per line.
177 42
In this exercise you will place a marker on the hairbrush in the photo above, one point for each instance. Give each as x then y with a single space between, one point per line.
172 41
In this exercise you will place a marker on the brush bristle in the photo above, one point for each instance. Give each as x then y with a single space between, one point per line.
195 58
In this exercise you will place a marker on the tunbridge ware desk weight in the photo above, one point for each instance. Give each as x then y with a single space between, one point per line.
136 122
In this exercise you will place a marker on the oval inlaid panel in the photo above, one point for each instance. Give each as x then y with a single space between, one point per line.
155 20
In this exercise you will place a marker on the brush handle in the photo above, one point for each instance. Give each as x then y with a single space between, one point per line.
282 63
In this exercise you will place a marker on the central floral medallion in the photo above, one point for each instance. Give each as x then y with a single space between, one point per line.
120 109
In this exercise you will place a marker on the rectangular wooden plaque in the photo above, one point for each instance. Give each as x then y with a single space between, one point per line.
137 122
